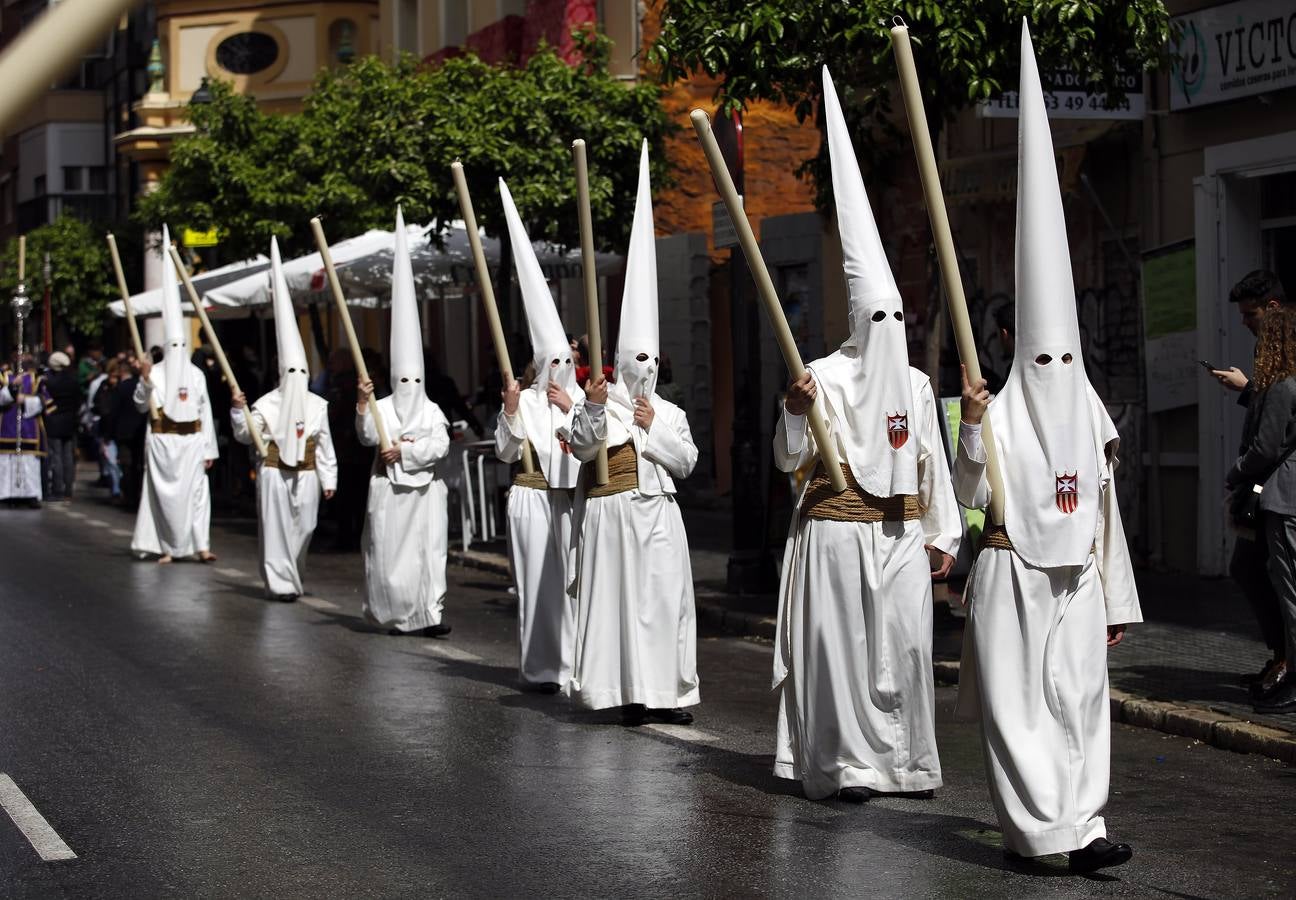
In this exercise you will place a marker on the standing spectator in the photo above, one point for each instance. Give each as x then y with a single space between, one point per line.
442 390
104 407
90 420
354 460
90 366
1257 294
1269 440
128 430
61 419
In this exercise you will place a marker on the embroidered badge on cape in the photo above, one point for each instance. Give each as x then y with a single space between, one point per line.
301 428
897 429
183 393
1068 496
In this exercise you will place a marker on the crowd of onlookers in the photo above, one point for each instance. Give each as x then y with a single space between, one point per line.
1262 483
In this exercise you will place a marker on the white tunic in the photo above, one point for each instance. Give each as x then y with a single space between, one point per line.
854 655
539 544
288 501
174 516
405 535
636 626
20 473
1035 671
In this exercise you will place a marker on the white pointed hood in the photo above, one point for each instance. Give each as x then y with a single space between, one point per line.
1050 435
638 333
287 410
180 399
409 394
551 354
866 385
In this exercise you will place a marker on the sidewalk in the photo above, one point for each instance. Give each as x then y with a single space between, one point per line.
1179 671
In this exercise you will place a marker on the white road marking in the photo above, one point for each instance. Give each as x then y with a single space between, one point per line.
317 602
31 823
230 573
683 732
98 523
122 532
74 515
752 645
447 651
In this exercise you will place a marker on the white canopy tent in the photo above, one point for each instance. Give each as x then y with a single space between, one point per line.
364 266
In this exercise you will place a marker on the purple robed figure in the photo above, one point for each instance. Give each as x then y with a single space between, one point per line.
23 401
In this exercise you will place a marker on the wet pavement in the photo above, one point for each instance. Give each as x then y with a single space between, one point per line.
186 738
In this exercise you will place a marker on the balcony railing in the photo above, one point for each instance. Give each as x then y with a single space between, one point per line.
48 207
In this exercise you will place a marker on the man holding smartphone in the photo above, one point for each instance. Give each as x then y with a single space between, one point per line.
1257 293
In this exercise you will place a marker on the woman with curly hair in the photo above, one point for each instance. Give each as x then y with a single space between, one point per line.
1268 444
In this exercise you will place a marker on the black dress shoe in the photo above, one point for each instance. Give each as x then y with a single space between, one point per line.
1281 699
1253 677
284 598
437 630
549 687
1100 854
669 716
854 795
634 714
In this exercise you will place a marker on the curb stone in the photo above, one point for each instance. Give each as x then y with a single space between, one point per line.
1199 723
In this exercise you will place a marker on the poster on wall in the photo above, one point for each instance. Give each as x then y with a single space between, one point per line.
1231 51
1170 326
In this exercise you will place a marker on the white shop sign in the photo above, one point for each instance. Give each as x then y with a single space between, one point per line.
1066 98
1232 51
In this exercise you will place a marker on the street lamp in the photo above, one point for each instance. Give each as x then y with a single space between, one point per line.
202 95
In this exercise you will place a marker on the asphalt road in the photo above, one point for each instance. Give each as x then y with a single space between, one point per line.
184 737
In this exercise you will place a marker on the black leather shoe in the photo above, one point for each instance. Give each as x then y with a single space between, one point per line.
284 598
1100 854
634 714
854 795
1281 699
1253 677
549 687
669 716
437 630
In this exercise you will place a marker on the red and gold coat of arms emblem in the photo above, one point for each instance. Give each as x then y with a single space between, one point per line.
1068 495
897 429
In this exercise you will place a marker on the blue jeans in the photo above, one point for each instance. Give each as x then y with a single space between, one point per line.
108 458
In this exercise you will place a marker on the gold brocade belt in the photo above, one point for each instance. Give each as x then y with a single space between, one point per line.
307 463
165 425
623 472
854 504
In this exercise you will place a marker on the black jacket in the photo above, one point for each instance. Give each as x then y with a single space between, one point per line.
64 412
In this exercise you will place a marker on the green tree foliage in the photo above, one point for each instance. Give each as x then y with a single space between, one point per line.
372 135
80 275
965 50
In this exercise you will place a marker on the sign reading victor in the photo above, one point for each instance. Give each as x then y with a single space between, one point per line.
1066 97
1232 51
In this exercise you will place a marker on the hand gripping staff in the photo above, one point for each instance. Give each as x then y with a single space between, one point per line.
950 277
344 313
591 287
765 290
219 350
487 291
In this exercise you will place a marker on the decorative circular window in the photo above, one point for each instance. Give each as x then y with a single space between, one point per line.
247 53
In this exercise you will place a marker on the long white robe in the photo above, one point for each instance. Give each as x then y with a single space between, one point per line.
288 501
854 657
20 473
539 545
405 539
1035 670
174 516
636 625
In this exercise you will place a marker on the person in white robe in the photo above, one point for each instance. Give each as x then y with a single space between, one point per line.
300 466
405 540
1053 586
853 664
636 625
174 518
540 503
